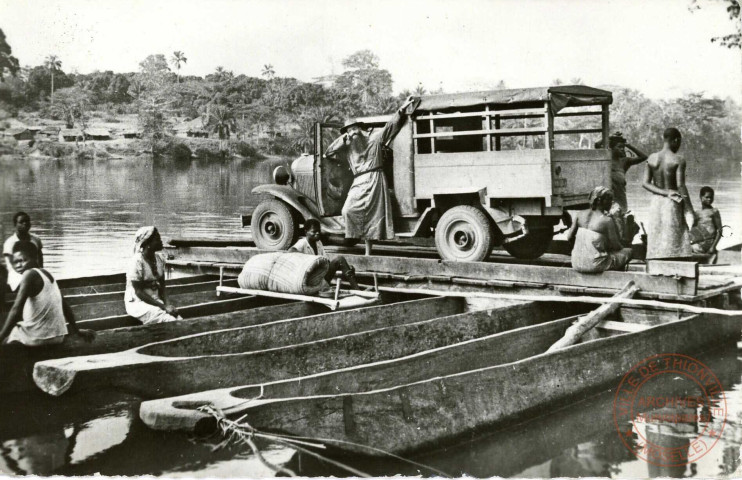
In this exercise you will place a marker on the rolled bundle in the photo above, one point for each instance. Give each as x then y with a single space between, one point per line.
284 272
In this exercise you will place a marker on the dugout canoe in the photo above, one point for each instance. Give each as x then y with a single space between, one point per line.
202 312
441 395
290 348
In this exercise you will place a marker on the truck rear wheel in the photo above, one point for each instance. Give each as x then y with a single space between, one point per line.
532 245
274 226
464 234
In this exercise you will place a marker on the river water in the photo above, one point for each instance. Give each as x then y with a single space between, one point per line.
86 212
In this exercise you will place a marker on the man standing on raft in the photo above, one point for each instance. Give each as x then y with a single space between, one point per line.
368 208
668 236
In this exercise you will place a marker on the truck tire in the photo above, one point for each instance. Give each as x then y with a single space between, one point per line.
464 234
274 225
532 245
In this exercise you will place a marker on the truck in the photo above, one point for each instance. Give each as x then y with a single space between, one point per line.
471 170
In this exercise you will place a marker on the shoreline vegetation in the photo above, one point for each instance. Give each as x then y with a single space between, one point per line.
164 112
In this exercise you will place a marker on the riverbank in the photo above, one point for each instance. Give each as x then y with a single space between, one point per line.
119 136
173 147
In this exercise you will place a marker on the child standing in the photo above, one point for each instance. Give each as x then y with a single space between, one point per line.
706 234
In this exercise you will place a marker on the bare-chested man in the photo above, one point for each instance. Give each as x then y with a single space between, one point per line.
667 233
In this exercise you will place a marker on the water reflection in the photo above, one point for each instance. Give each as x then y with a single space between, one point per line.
86 211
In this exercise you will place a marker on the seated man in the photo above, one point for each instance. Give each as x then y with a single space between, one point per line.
312 245
38 315
597 244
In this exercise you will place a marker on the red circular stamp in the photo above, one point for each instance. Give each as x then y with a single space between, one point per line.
670 410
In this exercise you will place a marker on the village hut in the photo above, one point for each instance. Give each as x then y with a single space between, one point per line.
97 134
131 133
192 128
48 133
19 133
70 135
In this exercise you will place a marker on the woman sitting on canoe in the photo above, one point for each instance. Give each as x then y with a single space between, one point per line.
312 245
597 243
145 296
39 315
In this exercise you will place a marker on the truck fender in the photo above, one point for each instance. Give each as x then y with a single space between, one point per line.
300 202
507 224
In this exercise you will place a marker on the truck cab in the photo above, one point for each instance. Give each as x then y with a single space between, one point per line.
472 170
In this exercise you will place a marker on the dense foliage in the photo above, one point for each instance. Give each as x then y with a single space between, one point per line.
277 114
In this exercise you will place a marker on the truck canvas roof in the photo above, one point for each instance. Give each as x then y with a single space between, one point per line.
561 97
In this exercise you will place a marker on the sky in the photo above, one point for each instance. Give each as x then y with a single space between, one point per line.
659 47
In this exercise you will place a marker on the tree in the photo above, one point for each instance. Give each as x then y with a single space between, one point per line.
7 61
420 90
304 141
72 105
732 40
178 59
363 83
268 71
154 65
221 121
52 63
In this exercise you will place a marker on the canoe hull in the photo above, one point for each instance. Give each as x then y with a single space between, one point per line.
425 414
286 350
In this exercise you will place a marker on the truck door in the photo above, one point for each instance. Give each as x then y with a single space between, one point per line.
333 176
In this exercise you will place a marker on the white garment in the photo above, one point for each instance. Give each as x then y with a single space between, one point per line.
141 271
14 279
43 317
302 246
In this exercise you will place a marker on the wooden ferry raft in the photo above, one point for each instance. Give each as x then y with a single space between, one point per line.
676 281
289 348
442 393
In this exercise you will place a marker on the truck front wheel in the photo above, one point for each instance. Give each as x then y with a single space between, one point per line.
532 245
464 234
274 226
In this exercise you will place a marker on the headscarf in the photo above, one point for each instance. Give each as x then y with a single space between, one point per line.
597 195
142 235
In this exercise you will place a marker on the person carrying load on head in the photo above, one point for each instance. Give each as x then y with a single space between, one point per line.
368 209
312 245
620 164
39 316
145 297
667 230
597 244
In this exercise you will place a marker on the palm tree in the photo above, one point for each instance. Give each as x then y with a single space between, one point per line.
178 59
53 63
308 119
268 71
221 120
223 74
419 90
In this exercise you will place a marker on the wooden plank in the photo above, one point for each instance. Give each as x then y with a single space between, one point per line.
578 114
578 130
500 131
117 306
275 350
612 280
188 311
673 268
576 331
621 326
515 113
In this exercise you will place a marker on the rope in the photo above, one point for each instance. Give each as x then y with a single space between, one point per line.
557 298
